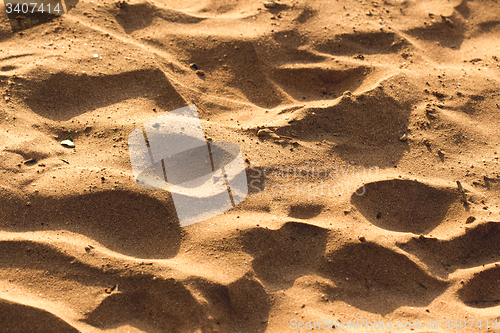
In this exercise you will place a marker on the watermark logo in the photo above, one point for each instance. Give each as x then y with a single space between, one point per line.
205 178
310 180
24 14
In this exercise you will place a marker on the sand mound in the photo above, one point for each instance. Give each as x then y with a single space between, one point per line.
63 96
404 205
17 317
477 246
481 291
378 279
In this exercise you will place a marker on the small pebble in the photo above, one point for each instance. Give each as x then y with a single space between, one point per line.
470 219
269 4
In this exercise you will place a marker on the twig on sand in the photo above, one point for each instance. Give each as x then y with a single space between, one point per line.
265 132
462 192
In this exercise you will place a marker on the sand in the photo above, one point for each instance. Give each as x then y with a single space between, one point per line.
371 111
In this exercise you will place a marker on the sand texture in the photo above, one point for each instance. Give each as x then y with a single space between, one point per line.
355 120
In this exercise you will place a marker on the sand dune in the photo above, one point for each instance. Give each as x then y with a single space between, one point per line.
374 111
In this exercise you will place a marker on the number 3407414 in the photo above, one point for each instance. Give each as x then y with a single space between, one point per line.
33 7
